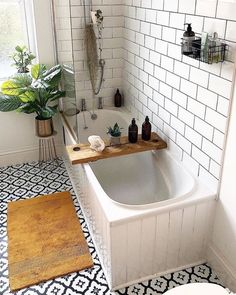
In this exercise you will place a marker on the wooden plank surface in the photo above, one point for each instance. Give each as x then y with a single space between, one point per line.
45 240
86 154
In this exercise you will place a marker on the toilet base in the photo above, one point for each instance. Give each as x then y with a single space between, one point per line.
197 288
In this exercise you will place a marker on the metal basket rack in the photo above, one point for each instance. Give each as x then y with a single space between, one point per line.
208 54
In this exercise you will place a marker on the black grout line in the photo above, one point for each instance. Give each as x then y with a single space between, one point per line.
143 84
190 113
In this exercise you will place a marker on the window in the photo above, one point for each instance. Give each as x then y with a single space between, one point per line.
14 17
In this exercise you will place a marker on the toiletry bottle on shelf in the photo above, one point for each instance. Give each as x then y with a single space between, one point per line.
196 47
214 51
133 132
146 129
204 47
188 38
117 99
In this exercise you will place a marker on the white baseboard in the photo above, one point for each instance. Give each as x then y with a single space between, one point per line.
23 156
222 267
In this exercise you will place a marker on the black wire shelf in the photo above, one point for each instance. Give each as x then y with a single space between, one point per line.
208 54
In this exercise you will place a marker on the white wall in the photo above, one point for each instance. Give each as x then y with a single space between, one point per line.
186 100
18 143
222 252
70 16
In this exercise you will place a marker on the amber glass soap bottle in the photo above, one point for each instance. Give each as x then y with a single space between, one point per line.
133 132
146 129
118 99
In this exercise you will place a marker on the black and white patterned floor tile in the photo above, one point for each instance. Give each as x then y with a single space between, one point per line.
201 273
28 180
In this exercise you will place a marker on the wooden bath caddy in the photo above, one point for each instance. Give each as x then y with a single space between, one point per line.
81 153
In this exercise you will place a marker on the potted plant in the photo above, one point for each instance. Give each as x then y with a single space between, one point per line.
115 134
35 92
22 59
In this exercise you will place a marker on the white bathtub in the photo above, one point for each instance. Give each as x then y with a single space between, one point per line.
148 216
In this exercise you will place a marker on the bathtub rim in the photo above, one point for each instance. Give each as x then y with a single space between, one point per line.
158 156
201 192
126 115
116 213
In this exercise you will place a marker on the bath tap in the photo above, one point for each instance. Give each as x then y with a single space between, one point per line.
100 103
84 109
83 105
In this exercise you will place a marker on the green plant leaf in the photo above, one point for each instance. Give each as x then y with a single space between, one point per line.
53 75
46 113
42 96
22 80
37 84
56 95
31 56
19 49
36 91
52 110
115 131
9 103
27 108
37 70
9 87
27 96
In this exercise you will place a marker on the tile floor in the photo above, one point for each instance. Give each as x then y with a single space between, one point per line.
27 181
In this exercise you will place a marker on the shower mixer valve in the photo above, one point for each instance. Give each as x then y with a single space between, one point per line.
100 103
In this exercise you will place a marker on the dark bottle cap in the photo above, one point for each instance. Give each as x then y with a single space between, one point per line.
117 91
189 28
133 121
147 119
189 32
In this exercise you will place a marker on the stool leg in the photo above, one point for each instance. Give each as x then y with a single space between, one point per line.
40 153
55 152
49 150
44 151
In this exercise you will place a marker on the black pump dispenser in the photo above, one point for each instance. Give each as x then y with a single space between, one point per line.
188 38
146 129
133 132
189 30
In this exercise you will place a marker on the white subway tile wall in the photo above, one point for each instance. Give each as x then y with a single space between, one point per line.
191 98
70 18
187 100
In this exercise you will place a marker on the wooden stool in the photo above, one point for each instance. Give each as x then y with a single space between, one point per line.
47 149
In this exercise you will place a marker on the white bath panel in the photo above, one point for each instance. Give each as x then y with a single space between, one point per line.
160 253
106 250
209 221
133 250
187 249
119 254
148 228
174 236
